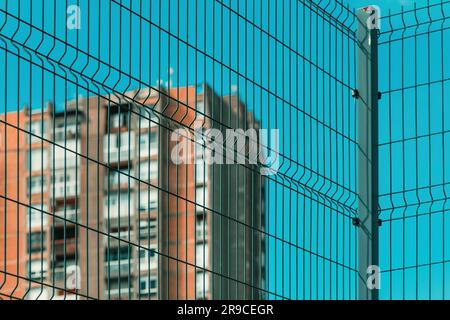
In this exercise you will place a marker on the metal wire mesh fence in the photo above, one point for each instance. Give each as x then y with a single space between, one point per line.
414 143
209 150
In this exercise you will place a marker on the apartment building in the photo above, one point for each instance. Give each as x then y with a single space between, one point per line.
92 205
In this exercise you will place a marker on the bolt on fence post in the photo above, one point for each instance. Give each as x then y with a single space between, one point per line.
367 117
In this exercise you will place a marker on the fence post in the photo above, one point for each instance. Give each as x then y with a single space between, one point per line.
367 107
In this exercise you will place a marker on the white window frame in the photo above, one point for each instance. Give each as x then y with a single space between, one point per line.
34 215
37 128
37 269
126 207
35 185
202 255
200 289
37 159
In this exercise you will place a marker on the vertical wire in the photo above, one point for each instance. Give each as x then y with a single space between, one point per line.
330 213
87 111
187 173
318 205
236 168
324 163
137 167
429 153
416 123
5 172
76 157
443 153
52 172
390 156
195 169
98 156
108 121
304 149
290 155
29 151
205 104
297 229
129 168
245 127
220 171
18 172
403 160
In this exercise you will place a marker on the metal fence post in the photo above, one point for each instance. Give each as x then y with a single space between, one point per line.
367 108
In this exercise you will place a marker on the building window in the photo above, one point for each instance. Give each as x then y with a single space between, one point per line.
36 242
148 229
65 132
36 216
37 160
201 107
37 269
117 254
36 185
201 227
148 259
200 150
201 284
118 146
118 204
201 198
200 172
65 156
148 170
37 129
148 143
201 255
65 183
148 286
123 175
119 120
147 118
148 200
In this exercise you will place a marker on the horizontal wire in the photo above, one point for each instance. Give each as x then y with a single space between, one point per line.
185 105
422 265
427 135
138 103
417 215
415 9
169 193
205 54
41 283
409 204
139 246
415 189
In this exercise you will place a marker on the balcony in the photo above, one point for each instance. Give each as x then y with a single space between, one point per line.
200 232
64 246
66 189
65 159
112 239
112 268
116 155
118 147
60 274
66 134
115 293
68 214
